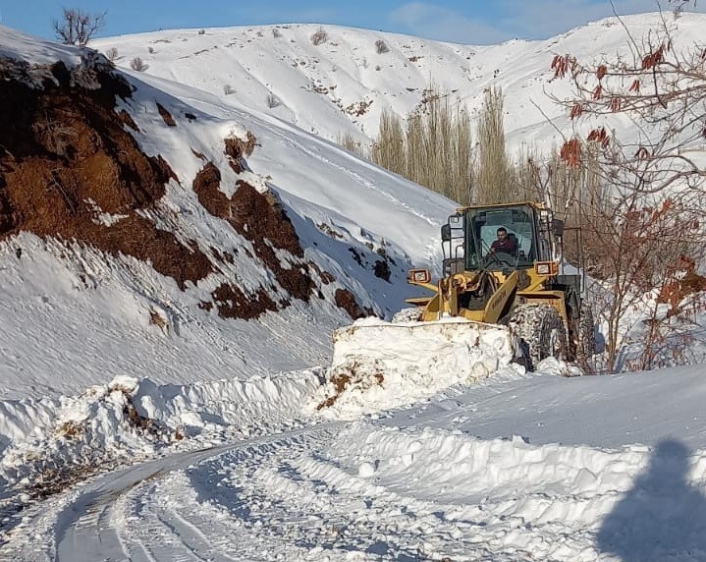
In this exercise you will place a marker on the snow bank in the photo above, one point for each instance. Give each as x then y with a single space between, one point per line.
54 440
378 365
555 502
20 46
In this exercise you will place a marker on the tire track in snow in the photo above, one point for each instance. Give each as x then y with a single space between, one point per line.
91 526
295 503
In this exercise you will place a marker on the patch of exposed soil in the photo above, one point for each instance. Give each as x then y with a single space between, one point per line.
350 377
166 116
259 218
346 300
65 153
382 270
236 149
233 303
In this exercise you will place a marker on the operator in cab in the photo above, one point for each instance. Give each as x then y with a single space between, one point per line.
504 243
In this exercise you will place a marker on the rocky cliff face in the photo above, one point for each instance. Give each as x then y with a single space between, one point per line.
71 169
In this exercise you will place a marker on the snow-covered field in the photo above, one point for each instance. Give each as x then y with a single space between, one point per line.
215 439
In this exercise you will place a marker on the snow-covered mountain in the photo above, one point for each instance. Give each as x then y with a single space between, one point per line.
343 84
176 246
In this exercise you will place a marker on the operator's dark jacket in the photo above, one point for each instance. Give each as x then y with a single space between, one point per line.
508 245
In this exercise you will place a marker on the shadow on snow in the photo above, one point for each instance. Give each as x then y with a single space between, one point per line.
662 517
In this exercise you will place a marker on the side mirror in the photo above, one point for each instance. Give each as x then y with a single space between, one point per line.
558 227
446 233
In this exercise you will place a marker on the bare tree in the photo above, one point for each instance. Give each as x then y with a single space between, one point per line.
493 176
644 213
433 150
389 150
76 27
661 88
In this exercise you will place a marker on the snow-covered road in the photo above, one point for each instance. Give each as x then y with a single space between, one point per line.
373 490
118 516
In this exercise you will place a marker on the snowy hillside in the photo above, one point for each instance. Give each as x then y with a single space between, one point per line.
173 261
182 284
343 84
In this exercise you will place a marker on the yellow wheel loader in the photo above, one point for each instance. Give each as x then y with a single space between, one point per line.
504 297
515 282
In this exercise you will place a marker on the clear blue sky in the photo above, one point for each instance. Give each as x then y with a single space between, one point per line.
463 21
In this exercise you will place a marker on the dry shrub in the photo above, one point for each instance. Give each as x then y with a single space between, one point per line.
112 53
381 47
228 89
55 136
319 37
347 141
138 64
273 101
157 319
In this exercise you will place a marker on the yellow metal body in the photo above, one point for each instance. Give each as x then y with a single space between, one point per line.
516 287
445 301
534 204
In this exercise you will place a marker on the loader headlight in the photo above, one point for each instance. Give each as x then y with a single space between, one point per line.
546 268
419 276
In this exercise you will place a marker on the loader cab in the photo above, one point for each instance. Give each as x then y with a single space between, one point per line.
469 235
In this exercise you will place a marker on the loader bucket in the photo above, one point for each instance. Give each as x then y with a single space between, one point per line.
379 364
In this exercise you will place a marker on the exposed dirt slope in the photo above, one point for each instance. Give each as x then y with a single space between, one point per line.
69 165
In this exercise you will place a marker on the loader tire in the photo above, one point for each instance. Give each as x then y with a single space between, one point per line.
541 333
586 339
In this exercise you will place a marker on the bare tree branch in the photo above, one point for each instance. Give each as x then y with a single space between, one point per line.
76 27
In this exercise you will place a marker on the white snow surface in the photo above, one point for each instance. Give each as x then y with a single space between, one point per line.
384 365
224 453
322 88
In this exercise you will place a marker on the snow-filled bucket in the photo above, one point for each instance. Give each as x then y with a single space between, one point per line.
379 364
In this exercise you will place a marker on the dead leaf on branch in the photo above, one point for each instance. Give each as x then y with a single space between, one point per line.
599 136
571 153
642 153
576 111
560 65
653 59
601 71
